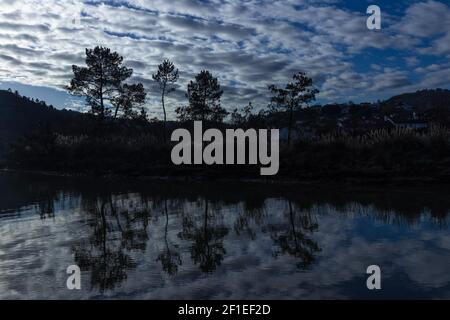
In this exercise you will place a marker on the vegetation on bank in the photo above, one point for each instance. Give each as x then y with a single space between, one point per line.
378 155
116 136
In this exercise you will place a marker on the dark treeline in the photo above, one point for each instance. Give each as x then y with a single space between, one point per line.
404 137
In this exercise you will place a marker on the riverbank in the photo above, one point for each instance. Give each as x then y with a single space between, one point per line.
202 177
379 157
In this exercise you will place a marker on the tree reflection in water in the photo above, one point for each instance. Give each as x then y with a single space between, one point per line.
115 234
292 239
170 258
145 231
207 249
119 230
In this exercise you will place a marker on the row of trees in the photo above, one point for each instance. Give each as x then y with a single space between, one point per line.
104 84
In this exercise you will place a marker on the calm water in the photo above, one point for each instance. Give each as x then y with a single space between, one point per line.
184 240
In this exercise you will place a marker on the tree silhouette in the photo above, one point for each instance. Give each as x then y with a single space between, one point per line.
129 97
166 76
294 96
242 118
102 82
204 100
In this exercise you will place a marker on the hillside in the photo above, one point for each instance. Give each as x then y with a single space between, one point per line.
423 99
21 115
18 115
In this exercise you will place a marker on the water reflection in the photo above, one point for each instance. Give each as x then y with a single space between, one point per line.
206 236
125 235
293 238
170 257
115 231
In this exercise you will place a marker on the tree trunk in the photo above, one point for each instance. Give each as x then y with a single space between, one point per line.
291 218
205 223
167 226
117 110
102 104
164 110
291 115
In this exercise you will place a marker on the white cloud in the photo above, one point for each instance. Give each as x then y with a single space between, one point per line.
248 44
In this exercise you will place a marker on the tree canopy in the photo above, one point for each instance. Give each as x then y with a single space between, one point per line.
204 99
295 95
102 82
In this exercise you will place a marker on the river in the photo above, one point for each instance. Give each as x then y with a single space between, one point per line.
220 240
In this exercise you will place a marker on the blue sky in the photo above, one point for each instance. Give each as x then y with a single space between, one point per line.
248 44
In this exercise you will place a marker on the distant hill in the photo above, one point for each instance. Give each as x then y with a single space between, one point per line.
19 115
423 99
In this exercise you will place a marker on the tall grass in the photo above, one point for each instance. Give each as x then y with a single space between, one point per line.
394 136
395 152
398 152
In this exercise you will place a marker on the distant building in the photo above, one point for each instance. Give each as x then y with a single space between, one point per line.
408 124
413 124
406 107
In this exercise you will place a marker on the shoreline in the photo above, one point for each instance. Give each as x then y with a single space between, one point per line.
314 181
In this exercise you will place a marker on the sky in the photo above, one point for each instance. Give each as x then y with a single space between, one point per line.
247 44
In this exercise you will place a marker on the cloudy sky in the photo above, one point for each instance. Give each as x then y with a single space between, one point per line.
248 44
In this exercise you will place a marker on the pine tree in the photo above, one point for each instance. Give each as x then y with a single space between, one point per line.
166 76
204 100
294 96
102 83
